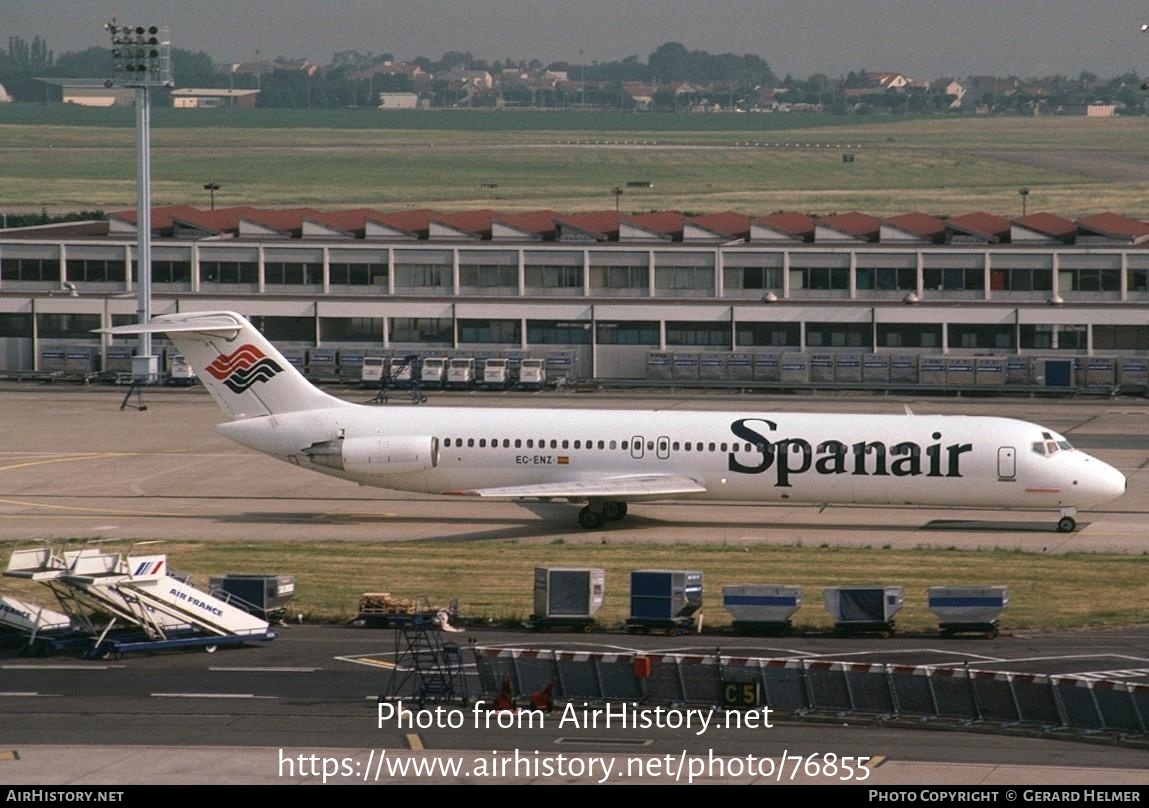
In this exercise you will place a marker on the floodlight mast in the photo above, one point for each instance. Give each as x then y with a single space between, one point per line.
141 58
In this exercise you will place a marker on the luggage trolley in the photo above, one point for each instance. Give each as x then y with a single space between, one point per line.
969 609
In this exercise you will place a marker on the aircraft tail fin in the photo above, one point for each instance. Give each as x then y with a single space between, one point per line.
245 374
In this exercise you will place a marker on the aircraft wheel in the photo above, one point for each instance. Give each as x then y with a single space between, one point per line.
1066 524
614 510
591 520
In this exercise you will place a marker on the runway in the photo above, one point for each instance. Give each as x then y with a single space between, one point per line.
74 464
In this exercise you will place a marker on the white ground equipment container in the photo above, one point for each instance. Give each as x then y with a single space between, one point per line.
533 374
373 371
433 371
567 597
461 372
179 371
401 371
970 608
864 609
496 373
761 608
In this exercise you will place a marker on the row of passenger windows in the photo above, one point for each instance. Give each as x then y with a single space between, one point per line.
625 445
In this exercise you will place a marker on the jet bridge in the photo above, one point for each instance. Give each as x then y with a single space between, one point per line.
100 590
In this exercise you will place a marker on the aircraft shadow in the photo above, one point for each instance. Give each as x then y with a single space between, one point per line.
983 526
559 523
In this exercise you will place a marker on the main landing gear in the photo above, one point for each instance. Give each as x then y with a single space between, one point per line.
1067 524
597 513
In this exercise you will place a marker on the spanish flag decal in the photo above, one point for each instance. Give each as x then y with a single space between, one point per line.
564 460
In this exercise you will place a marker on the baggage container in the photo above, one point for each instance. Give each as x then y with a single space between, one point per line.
664 599
567 597
761 607
864 608
967 608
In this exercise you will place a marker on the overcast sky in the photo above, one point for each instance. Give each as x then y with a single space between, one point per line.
923 38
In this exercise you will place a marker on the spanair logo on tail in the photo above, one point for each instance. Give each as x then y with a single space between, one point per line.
242 368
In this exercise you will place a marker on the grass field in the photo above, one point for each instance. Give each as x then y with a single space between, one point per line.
494 580
66 159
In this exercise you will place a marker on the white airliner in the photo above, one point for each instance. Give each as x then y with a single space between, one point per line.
607 458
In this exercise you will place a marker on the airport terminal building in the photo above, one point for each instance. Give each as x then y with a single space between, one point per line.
784 299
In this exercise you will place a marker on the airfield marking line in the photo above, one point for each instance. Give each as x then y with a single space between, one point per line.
414 742
9 754
114 511
264 670
67 459
61 667
377 663
209 696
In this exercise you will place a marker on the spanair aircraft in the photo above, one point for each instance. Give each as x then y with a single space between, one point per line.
607 458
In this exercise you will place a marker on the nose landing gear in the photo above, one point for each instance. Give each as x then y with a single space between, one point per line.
1067 523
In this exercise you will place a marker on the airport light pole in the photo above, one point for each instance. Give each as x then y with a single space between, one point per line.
617 192
141 59
1024 194
211 188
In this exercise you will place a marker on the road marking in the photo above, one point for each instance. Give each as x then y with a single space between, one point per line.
61 667
87 510
265 670
67 459
367 660
604 741
209 696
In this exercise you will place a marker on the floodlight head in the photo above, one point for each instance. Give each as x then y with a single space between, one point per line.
143 55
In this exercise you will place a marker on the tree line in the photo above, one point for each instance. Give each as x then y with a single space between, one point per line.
728 80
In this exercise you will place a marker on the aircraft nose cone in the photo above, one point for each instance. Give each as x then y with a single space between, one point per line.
1102 481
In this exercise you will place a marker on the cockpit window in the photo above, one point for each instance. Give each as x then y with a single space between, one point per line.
1049 446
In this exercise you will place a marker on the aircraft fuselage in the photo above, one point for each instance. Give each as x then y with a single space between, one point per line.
767 457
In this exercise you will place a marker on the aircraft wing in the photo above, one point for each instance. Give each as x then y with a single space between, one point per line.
630 487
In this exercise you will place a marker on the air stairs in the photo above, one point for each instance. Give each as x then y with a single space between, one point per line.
426 669
119 603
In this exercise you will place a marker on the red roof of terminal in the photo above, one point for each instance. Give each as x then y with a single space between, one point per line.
980 225
1114 226
922 225
1048 225
604 225
728 223
857 225
798 225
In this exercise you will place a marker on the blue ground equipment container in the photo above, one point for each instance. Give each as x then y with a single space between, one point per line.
567 597
664 599
864 609
262 594
761 608
967 609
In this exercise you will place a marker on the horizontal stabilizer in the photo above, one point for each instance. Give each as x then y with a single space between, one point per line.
206 325
630 487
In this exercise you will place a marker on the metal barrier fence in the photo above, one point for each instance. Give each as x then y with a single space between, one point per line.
804 687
